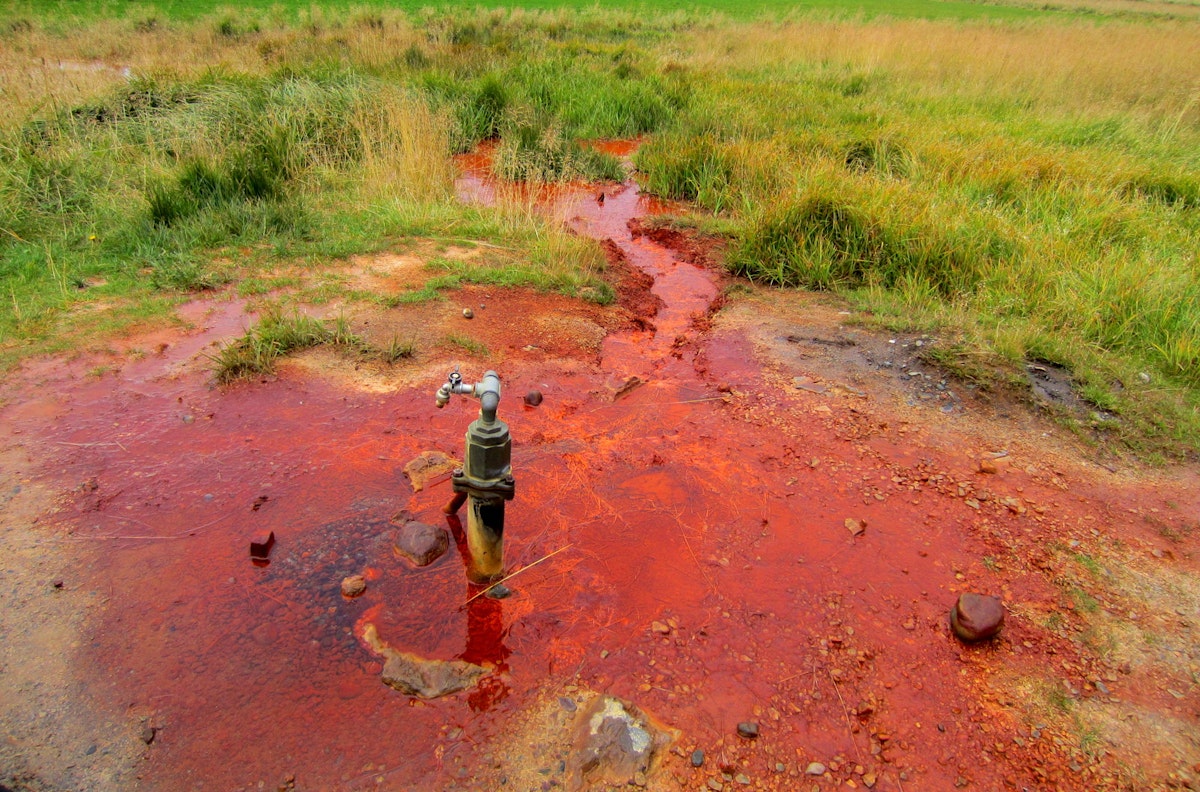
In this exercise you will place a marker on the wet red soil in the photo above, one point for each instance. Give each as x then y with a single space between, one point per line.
689 484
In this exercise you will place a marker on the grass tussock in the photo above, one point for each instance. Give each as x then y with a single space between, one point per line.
277 334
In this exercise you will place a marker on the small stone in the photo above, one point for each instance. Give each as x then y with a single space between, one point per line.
533 398
976 617
724 387
815 769
499 591
421 543
697 758
660 628
148 734
353 586
58 583
715 785
567 703
260 546
869 780
855 527
742 779
747 730
639 779
468 313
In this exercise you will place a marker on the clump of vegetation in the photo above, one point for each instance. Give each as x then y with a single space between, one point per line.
277 334
538 150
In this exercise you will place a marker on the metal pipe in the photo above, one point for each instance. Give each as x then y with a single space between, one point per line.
486 476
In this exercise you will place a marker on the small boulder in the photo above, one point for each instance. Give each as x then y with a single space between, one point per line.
615 745
976 617
421 543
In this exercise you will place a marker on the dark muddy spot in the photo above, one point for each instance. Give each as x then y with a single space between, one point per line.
1051 382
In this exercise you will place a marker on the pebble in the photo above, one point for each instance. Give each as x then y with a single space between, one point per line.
499 591
815 769
148 734
715 785
976 617
533 398
660 628
747 730
353 586
742 779
697 758
468 313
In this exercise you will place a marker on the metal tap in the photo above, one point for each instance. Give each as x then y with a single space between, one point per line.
486 478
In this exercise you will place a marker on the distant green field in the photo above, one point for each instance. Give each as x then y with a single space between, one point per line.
290 9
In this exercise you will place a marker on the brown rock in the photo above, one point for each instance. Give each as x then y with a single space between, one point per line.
976 617
992 465
533 398
615 746
421 543
353 586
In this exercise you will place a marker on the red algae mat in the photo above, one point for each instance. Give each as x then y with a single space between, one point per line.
693 502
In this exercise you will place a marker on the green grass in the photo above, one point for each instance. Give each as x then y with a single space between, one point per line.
231 23
1027 190
277 334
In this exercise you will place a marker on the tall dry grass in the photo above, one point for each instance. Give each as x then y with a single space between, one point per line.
1150 72
404 144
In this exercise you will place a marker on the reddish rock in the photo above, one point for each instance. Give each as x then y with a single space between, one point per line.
976 617
421 543
260 545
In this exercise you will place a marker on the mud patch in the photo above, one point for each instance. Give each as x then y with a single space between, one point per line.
633 286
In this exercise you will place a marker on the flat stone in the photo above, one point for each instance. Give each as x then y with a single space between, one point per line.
747 730
421 543
976 617
697 758
422 677
427 466
815 769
